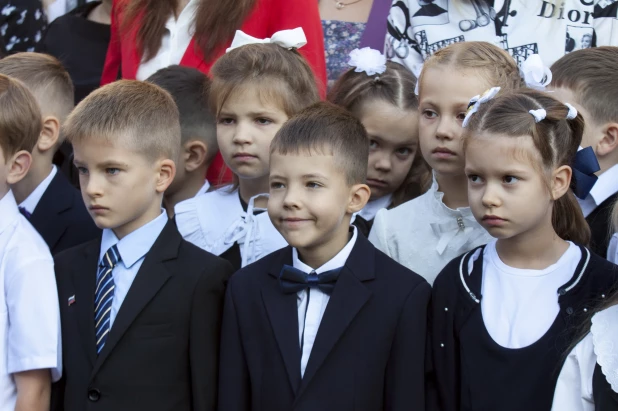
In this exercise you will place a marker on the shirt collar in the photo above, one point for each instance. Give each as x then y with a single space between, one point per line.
371 209
606 185
33 199
337 261
204 188
134 246
185 18
8 210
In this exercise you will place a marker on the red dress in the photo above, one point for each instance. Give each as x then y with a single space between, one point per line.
268 17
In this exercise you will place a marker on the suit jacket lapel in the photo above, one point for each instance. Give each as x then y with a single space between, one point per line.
84 278
347 299
282 311
56 199
152 275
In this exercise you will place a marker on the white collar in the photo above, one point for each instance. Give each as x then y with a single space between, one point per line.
372 207
204 188
8 210
185 18
136 244
438 196
33 199
606 185
337 261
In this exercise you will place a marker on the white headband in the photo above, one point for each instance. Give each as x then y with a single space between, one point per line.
289 39
539 115
368 60
476 101
572 112
536 75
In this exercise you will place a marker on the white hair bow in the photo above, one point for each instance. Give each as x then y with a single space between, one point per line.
289 39
476 101
535 73
368 60
572 112
539 115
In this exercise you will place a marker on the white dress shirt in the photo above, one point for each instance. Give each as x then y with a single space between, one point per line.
310 322
424 234
33 199
519 305
605 187
574 391
372 207
204 188
30 337
174 44
132 250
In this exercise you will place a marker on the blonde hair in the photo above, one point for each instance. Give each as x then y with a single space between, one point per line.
135 114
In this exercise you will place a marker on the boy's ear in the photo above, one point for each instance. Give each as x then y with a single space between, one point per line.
359 196
19 164
609 141
167 172
49 134
561 181
195 154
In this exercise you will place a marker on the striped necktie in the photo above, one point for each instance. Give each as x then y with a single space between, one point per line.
104 295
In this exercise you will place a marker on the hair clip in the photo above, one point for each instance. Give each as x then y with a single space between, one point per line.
476 101
416 70
376 79
572 112
536 75
289 39
539 115
368 60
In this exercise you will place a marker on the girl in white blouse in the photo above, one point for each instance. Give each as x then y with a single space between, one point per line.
426 233
255 89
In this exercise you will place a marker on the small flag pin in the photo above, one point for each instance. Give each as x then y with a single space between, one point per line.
71 300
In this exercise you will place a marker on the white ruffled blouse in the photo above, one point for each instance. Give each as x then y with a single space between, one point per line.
574 387
424 234
216 220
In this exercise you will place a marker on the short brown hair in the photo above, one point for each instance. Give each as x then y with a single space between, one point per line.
556 138
492 63
138 114
592 75
327 128
284 77
46 78
20 117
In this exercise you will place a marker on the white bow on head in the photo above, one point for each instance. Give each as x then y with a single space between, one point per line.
572 112
535 73
539 115
368 60
289 39
476 101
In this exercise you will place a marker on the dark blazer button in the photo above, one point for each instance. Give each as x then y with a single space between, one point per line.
94 395
569 311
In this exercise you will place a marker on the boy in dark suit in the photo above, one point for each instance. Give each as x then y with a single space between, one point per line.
330 322
45 197
189 87
140 307
587 79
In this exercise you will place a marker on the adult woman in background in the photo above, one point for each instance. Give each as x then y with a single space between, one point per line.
147 35
550 28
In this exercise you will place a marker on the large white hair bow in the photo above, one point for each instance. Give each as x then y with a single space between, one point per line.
476 101
368 60
535 73
289 39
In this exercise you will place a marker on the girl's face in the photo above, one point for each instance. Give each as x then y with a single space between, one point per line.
245 127
393 142
445 94
508 195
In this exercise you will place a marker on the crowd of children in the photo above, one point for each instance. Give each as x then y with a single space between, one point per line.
443 243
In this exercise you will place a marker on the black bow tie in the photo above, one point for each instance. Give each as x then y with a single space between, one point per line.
293 280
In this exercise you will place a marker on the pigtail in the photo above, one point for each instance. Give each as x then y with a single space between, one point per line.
568 220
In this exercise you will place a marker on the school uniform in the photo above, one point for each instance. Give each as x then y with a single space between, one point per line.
57 211
499 334
152 342
29 317
589 378
360 348
221 223
597 208
363 220
424 234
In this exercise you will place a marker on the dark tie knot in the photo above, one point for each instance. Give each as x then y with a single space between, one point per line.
313 280
293 280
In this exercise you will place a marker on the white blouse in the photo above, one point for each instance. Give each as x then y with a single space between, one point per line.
424 234
216 220
612 250
174 44
574 387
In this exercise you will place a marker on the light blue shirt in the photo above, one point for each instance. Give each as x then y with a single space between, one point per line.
132 249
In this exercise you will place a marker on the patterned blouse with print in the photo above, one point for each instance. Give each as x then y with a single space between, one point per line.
22 25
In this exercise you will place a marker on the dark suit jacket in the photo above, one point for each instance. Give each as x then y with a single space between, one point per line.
368 354
61 216
600 226
162 350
